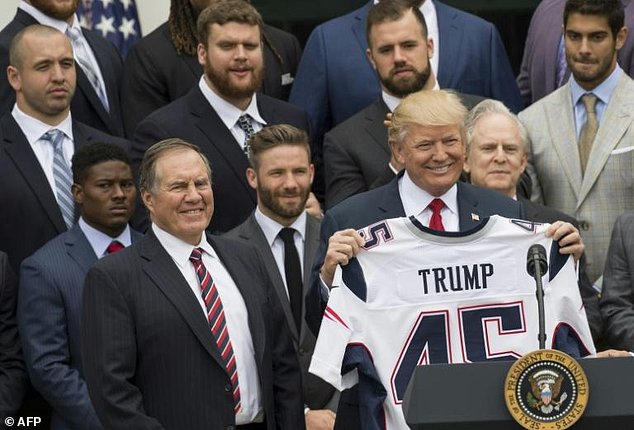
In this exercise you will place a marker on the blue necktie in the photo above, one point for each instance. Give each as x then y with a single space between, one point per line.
62 176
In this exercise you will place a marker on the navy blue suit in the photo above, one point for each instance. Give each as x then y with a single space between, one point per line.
49 317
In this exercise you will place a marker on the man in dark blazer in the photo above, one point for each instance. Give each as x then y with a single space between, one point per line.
13 378
538 72
183 329
210 114
281 173
496 158
357 156
163 66
31 215
86 104
52 281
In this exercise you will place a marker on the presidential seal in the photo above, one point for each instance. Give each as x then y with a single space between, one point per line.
546 390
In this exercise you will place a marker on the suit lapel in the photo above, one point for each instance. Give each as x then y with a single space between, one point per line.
561 127
374 125
390 202
450 35
22 155
468 213
616 120
79 249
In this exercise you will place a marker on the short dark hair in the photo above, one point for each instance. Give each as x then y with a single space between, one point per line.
92 154
224 11
393 10
273 136
147 172
610 9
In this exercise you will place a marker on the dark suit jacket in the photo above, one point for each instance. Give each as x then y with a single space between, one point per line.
49 316
317 393
149 357
538 71
192 118
30 215
86 106
540 213
356 152
13 378
155 74
617 297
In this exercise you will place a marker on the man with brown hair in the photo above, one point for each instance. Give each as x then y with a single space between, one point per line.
223 110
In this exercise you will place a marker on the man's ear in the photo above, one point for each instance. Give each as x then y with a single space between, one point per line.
252 178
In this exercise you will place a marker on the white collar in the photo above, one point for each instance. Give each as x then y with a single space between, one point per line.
34 129
179 250
415 199
271 228
99 241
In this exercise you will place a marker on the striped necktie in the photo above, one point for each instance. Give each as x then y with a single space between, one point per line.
83 59
217 322
62 176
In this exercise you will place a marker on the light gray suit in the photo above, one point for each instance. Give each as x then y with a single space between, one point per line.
317 393
606 190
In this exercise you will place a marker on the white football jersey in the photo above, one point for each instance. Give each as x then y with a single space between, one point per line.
413 296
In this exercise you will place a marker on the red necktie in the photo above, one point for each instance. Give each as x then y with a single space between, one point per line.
114 246
217 322
435 222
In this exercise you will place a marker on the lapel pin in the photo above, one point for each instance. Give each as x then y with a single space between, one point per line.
475 217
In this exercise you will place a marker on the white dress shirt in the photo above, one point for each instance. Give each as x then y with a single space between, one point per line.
236 315
99 241
416 201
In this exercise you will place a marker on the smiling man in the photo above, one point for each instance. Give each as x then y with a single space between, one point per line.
580 157
223 110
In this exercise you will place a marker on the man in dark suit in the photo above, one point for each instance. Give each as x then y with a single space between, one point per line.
99 65
183 329
282 231
496 158
32 214
357 156
163 66
544 68
13 377
52 281
215 113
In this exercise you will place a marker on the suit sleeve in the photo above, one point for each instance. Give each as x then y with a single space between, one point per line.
109 355
43 325
343 176
617 298
523 79
13 377
503 83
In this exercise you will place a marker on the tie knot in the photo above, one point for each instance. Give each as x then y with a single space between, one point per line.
196 255
114 246
54 136
436 205
287 235
589 101
73 33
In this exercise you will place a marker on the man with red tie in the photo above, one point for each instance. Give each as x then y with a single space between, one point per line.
184 329
52 281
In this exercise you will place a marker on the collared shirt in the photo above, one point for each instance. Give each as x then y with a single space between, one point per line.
415 201
271 229
99 241
63 26
236 315
603 92
229 114
33 129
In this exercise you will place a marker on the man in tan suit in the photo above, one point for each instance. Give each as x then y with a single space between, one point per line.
581 157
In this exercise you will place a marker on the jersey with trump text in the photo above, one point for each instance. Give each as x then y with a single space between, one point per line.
413 296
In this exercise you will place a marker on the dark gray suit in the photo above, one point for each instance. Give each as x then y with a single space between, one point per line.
150 359
317 393
49 317
617 298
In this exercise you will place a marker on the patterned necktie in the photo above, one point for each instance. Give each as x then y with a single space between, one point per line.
217 322
114 246
293 271
589 130
435 222
83 59
62 176
244 122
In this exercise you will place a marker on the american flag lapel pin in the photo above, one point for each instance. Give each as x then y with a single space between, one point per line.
475 217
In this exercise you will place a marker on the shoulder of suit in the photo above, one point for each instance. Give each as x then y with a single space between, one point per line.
88 131
474 22
351 125
278 35
153 43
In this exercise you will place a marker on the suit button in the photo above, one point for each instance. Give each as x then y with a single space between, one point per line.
584 225
228 388
302 351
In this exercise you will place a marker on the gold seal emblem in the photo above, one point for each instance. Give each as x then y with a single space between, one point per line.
546 390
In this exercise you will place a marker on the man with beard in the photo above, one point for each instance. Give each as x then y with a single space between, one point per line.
96 101
223 110
287 239
581 159
356 153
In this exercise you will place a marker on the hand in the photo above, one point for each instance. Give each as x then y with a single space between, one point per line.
388 120
611 353
313 207
342 246
323 419
568 238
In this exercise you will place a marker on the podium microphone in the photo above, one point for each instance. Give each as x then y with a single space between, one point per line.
536 266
